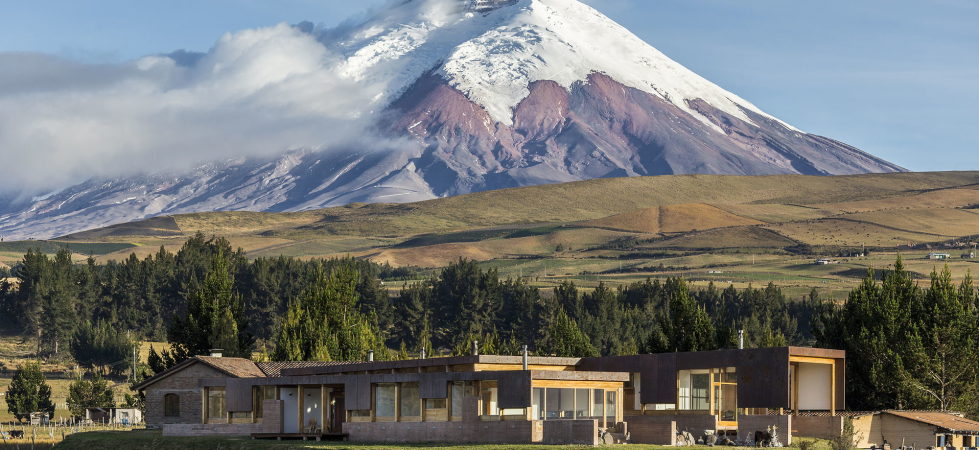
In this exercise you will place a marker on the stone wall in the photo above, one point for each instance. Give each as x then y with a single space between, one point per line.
211 429
185 385
749 424
655 430
821 427
567 432
272 416
469 432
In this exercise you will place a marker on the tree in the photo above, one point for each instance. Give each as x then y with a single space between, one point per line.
94 393
214 316
28 392
684 326
562 337
324 323
943 348
103 346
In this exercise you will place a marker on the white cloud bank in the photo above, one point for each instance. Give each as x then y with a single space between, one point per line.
256 92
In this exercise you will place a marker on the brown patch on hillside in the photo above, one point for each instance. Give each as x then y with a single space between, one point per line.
672 219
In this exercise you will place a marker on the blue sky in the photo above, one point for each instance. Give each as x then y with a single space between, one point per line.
897 78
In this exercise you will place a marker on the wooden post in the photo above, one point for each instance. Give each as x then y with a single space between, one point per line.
324 408
300 417
832 389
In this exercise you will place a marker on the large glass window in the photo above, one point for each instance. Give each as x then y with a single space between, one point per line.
694 390
611 404
457 392
216 407
488 399
410 401
559 403
385 396
598 403
537 403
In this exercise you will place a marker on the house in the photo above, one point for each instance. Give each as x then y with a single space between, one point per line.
823 262
916 429
939 256
505 399
122 416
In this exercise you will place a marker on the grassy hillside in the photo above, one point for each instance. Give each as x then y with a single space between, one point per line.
616 227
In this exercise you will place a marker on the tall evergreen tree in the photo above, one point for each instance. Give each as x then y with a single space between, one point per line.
562 337
29 392
214 316
945 346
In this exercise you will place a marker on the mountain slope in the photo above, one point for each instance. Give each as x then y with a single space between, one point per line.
478 95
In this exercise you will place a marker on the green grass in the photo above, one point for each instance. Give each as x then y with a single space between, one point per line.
143 439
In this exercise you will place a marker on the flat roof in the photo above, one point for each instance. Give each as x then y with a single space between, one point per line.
332 368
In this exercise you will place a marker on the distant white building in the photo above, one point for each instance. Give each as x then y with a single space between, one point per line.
939 256
823 262
122 416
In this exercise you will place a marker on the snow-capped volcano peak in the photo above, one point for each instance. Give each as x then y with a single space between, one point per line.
447 97
494 57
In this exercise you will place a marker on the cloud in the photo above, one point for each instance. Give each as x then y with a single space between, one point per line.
254 93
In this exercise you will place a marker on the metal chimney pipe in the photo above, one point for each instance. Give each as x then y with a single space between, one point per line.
475 348
423 354
740 339
526 365
370 356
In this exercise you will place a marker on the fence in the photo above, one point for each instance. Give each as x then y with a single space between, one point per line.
46 435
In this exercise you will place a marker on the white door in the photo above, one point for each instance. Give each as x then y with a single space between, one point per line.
290 409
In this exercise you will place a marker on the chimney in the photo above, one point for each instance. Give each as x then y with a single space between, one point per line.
526 365
370 356
423 354
740 339
475 348
216 352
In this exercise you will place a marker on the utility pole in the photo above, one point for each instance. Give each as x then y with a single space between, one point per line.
134 364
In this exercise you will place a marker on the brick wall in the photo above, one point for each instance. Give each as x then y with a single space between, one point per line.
496 432
566 432
657 430
184 384
822 427
749 424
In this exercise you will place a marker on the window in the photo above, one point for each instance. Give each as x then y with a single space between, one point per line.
171 405
217 410
537 404
410 401
488 399
436 410
258 395
611 402
694 390
457 392
598 404
385 396
559 403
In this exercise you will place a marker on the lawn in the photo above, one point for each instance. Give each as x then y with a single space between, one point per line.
144 439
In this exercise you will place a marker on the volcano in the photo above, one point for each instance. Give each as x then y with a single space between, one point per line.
480 94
